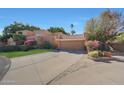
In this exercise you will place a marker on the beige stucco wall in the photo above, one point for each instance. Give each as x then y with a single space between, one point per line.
71 44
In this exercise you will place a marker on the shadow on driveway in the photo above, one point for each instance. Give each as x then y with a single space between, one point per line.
71 51
115 57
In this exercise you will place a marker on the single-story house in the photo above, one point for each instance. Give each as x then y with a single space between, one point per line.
58 40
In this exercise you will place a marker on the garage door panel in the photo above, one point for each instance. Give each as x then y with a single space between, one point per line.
72 45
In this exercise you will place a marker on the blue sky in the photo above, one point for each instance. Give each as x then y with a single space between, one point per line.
47 17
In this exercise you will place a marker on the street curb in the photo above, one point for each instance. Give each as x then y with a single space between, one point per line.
5 64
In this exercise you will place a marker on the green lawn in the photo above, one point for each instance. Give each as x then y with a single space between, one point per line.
23 53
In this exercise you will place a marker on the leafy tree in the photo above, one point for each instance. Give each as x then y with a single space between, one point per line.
18 37
90 25
106 26
12 28
56 29
4 38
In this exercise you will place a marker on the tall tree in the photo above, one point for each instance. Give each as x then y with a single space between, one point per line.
12 28
90 25
105 26
56 29
72 30
71 26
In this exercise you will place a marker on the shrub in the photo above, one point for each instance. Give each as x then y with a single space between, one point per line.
26 47
23 48
30 42
97 45
8 48
92 45
46 45
119 38
94 54
91 36
104 47
16 48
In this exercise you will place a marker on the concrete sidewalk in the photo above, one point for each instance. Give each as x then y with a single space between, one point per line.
39 68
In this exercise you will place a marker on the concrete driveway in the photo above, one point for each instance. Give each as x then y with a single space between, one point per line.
64 68
39 68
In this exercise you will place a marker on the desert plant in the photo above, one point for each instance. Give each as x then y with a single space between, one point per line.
93 54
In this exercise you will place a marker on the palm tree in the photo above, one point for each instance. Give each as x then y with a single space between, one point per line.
72 31
71 26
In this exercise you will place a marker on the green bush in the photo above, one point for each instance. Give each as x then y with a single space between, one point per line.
46 45
16 48
23 48
91 36
26 47
119 38
8 48
94 54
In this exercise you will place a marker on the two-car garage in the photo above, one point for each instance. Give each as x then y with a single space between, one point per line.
70 44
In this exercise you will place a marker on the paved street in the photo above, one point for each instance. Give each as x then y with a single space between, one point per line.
63 68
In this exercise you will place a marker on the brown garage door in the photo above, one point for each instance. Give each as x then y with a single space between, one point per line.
71 44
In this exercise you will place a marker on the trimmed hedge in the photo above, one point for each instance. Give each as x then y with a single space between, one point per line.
16 48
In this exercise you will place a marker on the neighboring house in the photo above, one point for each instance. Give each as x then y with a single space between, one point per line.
26 33
40 36
30 35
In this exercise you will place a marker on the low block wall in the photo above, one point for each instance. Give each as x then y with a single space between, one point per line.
118 47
